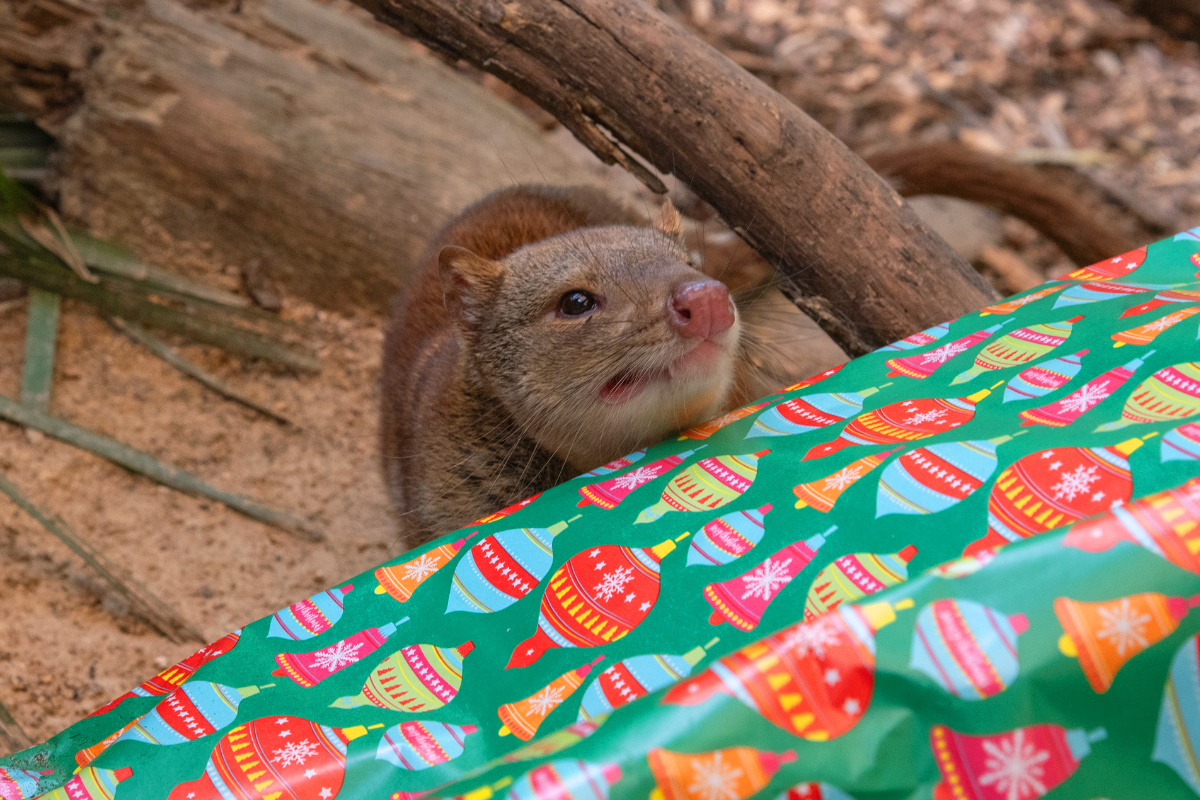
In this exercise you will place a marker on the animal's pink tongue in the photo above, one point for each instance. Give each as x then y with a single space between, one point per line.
625 386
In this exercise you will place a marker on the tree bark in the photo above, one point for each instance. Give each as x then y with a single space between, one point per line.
286 131
626 80
1066 207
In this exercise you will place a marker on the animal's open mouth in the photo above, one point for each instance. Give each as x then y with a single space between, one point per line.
629 383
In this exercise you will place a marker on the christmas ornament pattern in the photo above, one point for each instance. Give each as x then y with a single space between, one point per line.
309 669
1179 718
597 597
1063 412
707 429
823 493
734 773
814 791
1116 267
810 412
1020 301
921 339
904 421
967 648
91 784
311 617
422 744
172 677
1097 292
1182 443
613 466
813 679
20 784
399 582
923 365
1027 762
1042 379
278 757
415 679
1051 488
707 485
727 538
743 600
566 779
865 702
194 710
552 743
814 380
503 568
1165 523
1163 298
1019 347
937 477
523 718
1149 331
855 576
634 678
1172 393
1104 636
609 494
507 511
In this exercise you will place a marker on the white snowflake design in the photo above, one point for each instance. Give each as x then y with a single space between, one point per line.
1015 767
613 583
1085 398
715 779
943 353
843 478
336 656
632 480
545 701
926 416
1078 481
813 637
421 568
294 753
766 578
1162 323
1124 626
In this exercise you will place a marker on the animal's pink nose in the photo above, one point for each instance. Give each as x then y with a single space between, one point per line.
700 309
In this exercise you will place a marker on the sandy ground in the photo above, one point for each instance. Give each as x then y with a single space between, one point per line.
66 642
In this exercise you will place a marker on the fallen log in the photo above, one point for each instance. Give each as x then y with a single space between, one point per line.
1083 228
287 131
631 83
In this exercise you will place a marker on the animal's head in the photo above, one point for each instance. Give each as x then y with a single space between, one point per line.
602 339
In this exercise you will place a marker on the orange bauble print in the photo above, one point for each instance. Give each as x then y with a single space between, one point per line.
1106 635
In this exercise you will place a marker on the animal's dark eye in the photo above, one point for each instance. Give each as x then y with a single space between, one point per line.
576 303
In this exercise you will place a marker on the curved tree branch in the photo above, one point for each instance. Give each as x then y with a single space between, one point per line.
629 81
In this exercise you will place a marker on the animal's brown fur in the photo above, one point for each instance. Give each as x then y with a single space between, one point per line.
488 396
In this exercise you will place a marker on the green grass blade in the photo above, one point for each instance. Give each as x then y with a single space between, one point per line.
169 355
41 331
141 600
145 464
16 261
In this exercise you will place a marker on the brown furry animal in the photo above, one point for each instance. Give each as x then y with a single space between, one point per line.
545 333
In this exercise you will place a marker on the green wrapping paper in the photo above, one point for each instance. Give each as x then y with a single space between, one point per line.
963 567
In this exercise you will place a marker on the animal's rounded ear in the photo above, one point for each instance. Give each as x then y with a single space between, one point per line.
668 221
469 284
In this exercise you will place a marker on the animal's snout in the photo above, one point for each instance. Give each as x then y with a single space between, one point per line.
700 309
